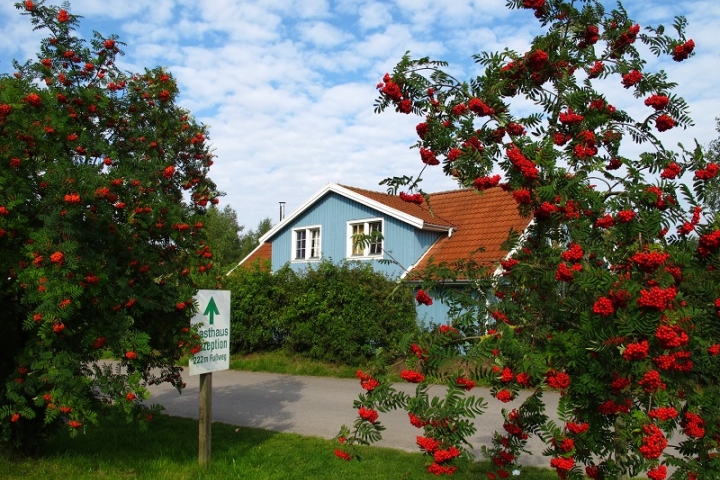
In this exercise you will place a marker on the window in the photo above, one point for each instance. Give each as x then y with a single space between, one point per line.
371 247
306 243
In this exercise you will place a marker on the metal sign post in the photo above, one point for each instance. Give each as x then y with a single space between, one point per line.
213 320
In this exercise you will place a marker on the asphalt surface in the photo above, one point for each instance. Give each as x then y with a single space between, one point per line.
315 406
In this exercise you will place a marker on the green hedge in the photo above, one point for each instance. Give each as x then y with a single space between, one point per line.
331 312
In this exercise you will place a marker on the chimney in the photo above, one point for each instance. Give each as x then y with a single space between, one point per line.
282 211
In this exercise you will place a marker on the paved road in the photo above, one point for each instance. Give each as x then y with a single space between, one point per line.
316 406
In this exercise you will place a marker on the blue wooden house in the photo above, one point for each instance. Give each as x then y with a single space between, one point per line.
456 225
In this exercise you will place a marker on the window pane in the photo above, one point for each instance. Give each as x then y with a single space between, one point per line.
357 229
300 244
315 243
376 246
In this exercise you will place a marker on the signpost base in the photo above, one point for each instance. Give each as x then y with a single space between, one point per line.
205 417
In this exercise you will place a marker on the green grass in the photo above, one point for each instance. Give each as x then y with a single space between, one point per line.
283 362
292 364
168 450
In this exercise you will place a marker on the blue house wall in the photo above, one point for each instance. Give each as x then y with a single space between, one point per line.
405 243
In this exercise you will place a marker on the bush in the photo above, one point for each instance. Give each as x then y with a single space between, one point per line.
259 302
338 313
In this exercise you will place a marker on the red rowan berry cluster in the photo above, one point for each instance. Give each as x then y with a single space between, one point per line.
682 51
522 196
366 381
631 78
368 414
444 329
415 421
611 407
658 102
423 298
504 395
523 379
559 380
636 351
503 458
513 425
626 216
479 108
565 274
483 183
657 473
440 456
651 382
509 263
605 222
664 122
428 444
604 307
428 157
574 253
564 444
653 443
506 376
577 428
419 352
678 361
708 243
521 163
465 383
671 171
415 198
499 316
619 383
708 172
693 425
663 413
570 117
657 298
343 455
562 465
412 376
648 262
671 337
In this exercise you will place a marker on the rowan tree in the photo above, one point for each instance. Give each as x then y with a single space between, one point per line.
103 189
611 295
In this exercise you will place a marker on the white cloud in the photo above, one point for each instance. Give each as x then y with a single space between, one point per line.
287 86
373 15
322 34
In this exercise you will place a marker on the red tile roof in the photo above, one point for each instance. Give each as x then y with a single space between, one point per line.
483 221
262 254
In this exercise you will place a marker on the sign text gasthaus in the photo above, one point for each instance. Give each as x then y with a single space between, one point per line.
213 318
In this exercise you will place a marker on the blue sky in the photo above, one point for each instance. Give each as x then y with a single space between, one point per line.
287 86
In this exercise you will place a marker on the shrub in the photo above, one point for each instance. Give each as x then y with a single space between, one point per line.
259 302
338 313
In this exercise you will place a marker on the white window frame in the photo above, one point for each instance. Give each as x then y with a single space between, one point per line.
312 234
365 223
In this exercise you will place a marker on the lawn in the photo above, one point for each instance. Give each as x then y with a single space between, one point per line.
169 448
